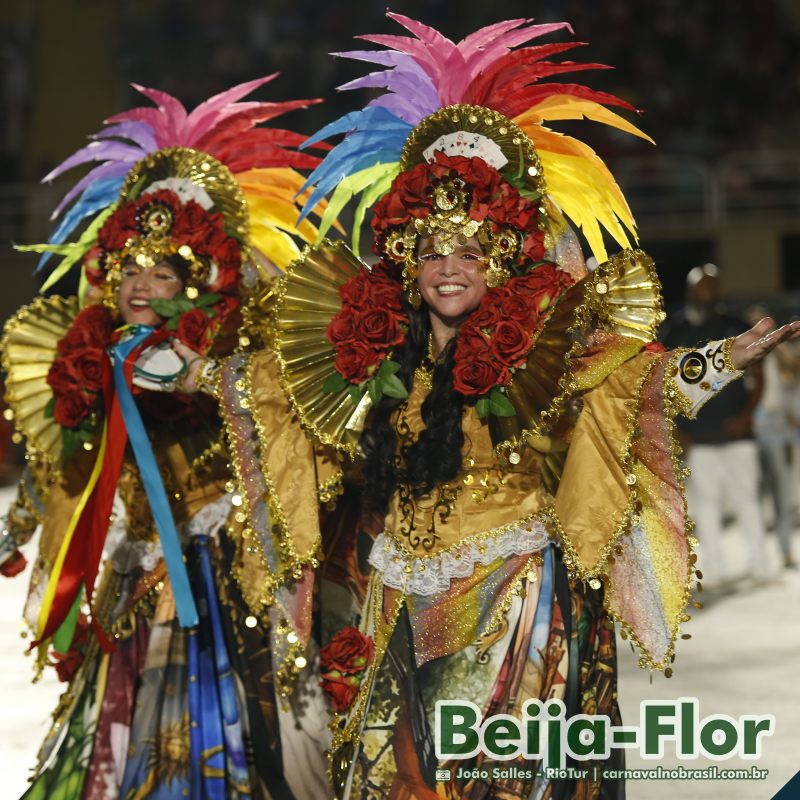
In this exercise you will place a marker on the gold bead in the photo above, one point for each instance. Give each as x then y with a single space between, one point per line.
251 621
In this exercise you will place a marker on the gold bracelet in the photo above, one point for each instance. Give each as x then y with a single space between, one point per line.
726 354
207 379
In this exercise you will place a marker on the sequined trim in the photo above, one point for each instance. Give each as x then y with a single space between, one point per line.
697 375
433 573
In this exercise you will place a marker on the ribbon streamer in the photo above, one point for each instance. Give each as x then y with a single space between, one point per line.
151 479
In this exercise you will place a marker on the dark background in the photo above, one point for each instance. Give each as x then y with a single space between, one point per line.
718 82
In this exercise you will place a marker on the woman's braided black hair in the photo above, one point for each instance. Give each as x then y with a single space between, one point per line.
435 457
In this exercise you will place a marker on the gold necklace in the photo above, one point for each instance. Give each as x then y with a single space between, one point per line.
424 372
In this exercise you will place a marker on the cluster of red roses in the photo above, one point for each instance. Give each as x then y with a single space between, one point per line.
370 323
76 375
489 196
203 231
497 336
342 662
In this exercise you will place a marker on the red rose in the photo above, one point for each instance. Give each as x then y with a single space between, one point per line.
380 327
409 196
13 565
544 279
341 689
91 328
227 281
356 291
353 359
487 314
64 377
478 375
90 365
342 327
228 256
533 246
510 342
514 306
194 328
163 196
119 227
192 226
70 409
349 651
93 261
387 294
471 343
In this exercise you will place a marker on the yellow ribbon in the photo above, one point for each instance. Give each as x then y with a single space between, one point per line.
52 584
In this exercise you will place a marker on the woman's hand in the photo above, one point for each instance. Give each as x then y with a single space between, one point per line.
194 363
751 346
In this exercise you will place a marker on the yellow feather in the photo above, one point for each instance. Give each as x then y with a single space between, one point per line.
583 187
565 106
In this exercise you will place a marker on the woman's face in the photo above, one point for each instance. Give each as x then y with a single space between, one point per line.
452 285
139 286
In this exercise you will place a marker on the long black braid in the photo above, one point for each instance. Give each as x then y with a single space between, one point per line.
435 457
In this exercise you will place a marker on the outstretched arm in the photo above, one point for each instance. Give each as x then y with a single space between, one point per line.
753 345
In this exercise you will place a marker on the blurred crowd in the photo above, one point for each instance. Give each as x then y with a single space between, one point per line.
712 76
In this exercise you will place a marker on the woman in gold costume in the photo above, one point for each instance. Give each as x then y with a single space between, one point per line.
146 595
507 412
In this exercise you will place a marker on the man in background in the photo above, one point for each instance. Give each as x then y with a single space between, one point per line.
719 445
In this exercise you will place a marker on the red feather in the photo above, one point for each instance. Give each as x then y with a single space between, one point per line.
482 85
525 97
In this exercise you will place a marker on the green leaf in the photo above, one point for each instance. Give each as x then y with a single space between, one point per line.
392 386
334 383
164 308
374 389
356 393
482 407
389 367
499 404
69 443
207 300
173 322
530 194
50 408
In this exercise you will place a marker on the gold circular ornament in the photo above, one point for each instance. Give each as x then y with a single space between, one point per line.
158 219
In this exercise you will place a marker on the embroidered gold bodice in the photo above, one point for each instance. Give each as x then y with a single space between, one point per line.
483 497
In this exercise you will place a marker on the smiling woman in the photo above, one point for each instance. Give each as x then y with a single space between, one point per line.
140 285
146 597
451 285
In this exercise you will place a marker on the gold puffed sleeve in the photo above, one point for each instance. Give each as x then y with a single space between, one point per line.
620 505
278 476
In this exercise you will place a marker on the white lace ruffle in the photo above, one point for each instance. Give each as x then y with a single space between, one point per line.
209 519
128 554
431 575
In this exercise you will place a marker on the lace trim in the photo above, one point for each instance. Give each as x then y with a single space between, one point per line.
126 555
434 573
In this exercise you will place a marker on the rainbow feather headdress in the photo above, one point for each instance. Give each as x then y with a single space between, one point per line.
217 155
478 97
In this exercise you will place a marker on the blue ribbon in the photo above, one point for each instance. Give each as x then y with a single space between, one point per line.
154 488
